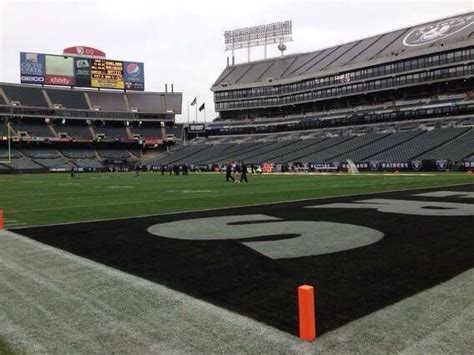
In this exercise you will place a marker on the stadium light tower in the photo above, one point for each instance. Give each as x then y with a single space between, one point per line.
262 35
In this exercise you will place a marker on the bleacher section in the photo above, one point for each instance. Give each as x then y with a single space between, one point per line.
176 131
79 153
107 101
68 98
36 128
379 145
146 102
74 128
40 153
419 145
111 130
146 130
455 150
114 153
23 164
447 143
26 96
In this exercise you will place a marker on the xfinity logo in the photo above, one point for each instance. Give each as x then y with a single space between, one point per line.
37 79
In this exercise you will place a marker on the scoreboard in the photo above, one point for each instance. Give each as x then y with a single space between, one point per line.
107 74
38 68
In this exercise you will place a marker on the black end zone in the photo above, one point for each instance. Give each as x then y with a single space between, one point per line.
417 252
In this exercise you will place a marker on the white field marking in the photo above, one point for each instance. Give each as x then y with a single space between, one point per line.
460 194
129 314
190 191
8 224
234 207
115 187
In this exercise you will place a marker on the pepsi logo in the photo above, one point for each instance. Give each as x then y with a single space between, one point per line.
133 69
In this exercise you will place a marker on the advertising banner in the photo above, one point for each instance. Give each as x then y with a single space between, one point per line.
82 72
68 70
134 76
84 51
59 71
197 128
32 68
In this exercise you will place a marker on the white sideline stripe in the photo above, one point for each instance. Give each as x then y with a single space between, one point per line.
56 302
50 294
234 207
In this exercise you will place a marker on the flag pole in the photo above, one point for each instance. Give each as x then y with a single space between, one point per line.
188 112
196 112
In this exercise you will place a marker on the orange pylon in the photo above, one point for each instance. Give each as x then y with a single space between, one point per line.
306 312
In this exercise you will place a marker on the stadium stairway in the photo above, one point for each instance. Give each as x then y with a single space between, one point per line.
93 132
47 98
4 96
53 131
88 100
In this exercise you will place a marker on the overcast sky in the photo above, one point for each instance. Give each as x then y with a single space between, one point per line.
182 42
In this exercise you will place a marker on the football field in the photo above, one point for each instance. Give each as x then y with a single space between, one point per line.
112 262
56 198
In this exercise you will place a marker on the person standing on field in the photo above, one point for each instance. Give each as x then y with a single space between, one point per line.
228 173
237 172
243 176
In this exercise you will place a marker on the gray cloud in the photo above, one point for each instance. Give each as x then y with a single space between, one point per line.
181 42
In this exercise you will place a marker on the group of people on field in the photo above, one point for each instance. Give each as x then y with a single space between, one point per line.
236 172
175 169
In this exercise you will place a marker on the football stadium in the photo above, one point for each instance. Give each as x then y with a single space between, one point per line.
327 207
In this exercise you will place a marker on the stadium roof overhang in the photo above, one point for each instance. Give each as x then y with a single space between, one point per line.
223 86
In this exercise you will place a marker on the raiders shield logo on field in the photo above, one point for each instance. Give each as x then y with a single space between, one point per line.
374 165
416 164
436 31
441 164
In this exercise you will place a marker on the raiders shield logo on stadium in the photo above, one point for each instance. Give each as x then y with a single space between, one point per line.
436 31
441 164
416 164
374 165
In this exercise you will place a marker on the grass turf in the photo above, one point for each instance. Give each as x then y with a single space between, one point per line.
56 198
5 349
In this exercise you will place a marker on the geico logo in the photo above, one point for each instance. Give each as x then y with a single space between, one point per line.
312 238
38 79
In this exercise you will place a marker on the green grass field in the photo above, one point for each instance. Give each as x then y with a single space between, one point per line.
56 198
5 349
